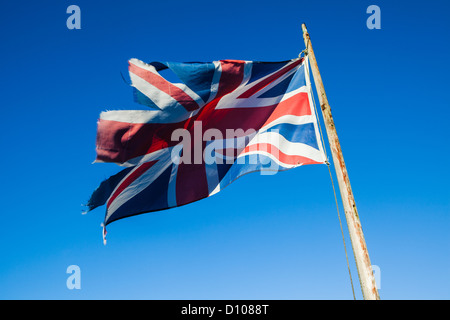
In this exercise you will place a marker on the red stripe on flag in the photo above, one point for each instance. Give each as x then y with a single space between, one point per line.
231 76
129 180
121 141
162 84
297 105
283 157
191 183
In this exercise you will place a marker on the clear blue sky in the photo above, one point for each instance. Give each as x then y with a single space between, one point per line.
263 237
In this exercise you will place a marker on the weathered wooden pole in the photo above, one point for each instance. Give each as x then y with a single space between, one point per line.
366 277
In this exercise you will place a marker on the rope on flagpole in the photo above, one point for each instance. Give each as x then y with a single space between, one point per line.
305 52
342 230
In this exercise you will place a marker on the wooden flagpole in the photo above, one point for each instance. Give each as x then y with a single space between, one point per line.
366 277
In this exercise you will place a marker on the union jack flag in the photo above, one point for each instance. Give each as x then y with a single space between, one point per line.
227 118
